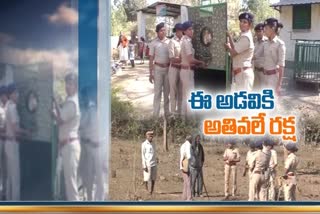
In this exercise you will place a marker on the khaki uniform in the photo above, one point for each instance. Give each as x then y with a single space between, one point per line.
272 175
186 73
259 62
12 156
230 169
160 51
259 168
290 186
92 157
249 159
174 76
3 172
274 57
243 61
70 152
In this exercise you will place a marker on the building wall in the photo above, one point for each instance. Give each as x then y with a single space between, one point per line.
290 36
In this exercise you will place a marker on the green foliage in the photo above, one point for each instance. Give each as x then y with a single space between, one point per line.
261 9
312 128
119 21
126 123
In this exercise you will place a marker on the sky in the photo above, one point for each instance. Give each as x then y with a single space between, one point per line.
35 30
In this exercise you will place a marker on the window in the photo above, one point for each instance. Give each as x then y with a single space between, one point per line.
301 16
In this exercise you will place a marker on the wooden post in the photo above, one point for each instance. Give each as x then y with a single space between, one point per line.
172 128
165 143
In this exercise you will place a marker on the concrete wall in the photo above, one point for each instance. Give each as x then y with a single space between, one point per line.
289 36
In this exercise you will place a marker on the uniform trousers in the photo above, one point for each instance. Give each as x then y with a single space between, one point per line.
270 81
161 85
187 81
175 89
244 80
230 170
70 156
12 156
258 187
92 172
3 171
289 189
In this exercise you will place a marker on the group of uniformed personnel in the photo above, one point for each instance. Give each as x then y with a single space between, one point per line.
171 68
261 166
10 132
80 159
257 65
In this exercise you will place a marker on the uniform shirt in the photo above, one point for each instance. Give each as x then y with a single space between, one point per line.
244 47
185 152
231 154
12 117
261 161
2 115
259 52
175 47
8 76
273 159
89 123
250 157
70 115
291 163
148 152
274 54
160 50
186 50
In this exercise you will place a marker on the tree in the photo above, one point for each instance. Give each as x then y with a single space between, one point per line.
131 7
119 21
261 9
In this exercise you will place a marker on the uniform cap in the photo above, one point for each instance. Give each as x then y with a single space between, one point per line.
231 141
71 77
3 90
187 25
159 26
178 26
247 16
11 88
252 145
291 147
259 143
259 27
268 142
272 22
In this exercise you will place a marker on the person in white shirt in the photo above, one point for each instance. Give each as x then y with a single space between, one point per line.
149 161
91 149
68 119
185 155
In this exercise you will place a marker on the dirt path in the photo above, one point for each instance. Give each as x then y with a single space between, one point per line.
135 87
